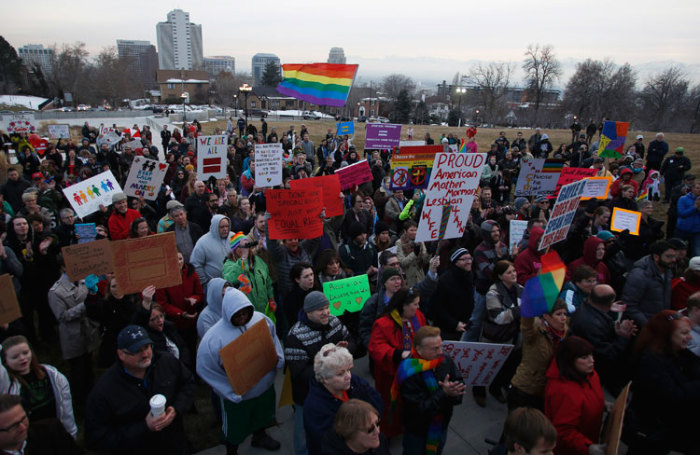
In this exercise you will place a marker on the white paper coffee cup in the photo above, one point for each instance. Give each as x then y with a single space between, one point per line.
157 405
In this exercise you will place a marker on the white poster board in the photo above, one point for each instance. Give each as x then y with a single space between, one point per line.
59 131
597 188
516 233
211 156
625 219
562 213
477 362
110 138
453 183
145 178
268 165
413 143
19 123
85 197
532 181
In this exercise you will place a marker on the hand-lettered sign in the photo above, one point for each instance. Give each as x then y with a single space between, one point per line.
479 363
348 294
145 178
295 214
211 156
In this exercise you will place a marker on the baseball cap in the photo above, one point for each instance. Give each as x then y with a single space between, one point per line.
37 176
639 136
173 204
132 338
694 264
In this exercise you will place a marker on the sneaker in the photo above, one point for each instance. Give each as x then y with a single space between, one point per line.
266 442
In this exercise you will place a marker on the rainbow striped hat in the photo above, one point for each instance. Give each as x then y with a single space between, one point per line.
236 240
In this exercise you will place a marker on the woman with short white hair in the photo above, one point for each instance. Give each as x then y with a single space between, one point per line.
332 385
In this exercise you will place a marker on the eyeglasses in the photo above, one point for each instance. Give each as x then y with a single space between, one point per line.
22 421
374 427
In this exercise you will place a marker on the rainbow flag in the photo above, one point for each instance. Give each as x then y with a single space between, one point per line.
553 165
463 146
542 291
612 139
644 195
326 84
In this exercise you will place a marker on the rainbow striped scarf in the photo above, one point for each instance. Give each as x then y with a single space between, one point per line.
407 368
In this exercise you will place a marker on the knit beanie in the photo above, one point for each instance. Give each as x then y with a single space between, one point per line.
519 202
388 273
235 241
315 300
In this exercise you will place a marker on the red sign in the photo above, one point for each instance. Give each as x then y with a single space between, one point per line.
355 174
295 214
570 175
330 185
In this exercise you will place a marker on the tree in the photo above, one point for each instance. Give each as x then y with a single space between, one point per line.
11 68
70 71
271 75
421 114
393 84
541 70
492 82
694 108
663 98
112 79
402 108
453 117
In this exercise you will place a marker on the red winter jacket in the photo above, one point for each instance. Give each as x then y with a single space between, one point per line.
575 409
589 259
528 263
119 225
681 289
173 298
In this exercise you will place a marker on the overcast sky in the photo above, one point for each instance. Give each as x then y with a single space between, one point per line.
427 40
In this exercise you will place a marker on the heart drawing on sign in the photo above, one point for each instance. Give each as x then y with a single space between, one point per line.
358 299
269 180
336 305
162 166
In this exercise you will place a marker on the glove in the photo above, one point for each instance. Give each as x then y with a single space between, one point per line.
597 449
91 283
245 286
416 249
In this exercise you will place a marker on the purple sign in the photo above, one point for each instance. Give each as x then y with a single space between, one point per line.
382 136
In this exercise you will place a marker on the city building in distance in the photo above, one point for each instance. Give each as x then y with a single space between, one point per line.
142 59
219 63
36 54
259 63
179 42
337 55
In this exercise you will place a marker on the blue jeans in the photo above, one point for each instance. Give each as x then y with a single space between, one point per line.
474 331
414 444
693 241
299 432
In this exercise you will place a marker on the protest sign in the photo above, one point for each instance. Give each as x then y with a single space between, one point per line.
330 185
345 128
411 167
91 258
85 197
248 358
613 429
146 261
268 164
145 178
572 174
9 305
110 138
355 174
516 232
295 214
348 294
211 157
448 199
411 144
597 188
562 214
59 132
382 135
133 145
477 362
20 124
538 177
625 219
86 232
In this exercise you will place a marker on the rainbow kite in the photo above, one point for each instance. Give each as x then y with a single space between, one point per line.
612 139
325 84
542 291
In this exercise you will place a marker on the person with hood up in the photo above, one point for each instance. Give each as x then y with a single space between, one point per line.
625 179
211 249
543 147
652 185
211 313
527 263
593 254
453 302
253 411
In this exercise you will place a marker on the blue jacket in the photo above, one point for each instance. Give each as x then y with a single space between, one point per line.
688 215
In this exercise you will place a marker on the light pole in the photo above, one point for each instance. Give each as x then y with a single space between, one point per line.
184 115
245 88
461 91
235 99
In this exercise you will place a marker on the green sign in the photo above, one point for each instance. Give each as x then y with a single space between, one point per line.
348 295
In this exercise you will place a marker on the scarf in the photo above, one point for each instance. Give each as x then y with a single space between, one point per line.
407 368
555 335
408 328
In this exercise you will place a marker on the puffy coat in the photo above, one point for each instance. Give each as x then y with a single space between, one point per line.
173 298
528 263
589 259
575 409
688 215
647 291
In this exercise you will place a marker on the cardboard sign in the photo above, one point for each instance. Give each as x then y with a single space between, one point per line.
295 214
536 178
477 362
411 167
248 358
448 199
355 174
330 185
91 258
597 188
9 305
59 131
86 232
516 233
145 178
345 128
85 197
625 219
349 294
149 260
572 174
211 156
562 214
268 164
382 136
613 429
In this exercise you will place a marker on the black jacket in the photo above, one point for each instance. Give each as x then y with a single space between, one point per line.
48 437
115 415
453 301
420 405
333 444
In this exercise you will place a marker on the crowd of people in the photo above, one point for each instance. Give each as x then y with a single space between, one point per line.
629 309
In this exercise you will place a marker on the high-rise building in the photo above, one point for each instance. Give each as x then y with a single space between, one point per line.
336 55
219 63
259 63
142 59
36 54
179 42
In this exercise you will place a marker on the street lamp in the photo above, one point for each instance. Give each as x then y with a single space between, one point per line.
184 115
235 99
461 91
245 88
